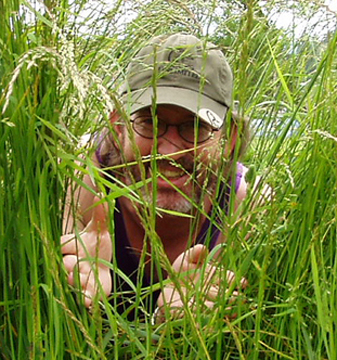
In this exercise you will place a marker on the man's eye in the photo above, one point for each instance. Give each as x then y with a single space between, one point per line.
145 121
189 125
197 126
204 127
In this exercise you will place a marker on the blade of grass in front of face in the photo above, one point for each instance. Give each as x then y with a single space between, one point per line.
289 258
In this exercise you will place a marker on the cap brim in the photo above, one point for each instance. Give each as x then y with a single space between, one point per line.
207 109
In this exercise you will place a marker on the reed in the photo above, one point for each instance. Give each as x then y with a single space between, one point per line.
59 73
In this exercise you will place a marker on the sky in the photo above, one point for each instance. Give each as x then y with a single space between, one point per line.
318 22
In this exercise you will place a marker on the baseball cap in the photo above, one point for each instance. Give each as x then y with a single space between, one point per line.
180 70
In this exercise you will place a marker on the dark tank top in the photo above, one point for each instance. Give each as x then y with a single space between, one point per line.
129 277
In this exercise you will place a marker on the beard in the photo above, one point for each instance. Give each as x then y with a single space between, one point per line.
201 180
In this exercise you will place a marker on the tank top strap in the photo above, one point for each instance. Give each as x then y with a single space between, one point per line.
210 232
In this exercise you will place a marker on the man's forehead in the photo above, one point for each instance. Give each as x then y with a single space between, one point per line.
166 109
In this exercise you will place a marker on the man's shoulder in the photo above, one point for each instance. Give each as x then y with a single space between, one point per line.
241 191
253 184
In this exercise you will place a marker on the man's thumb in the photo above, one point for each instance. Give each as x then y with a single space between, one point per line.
99 216
191 259
197 254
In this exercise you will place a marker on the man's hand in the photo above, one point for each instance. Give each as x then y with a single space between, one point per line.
194 275
82 255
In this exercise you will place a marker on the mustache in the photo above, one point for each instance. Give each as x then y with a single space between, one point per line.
186 163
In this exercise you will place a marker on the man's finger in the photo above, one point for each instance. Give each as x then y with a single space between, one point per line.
69 244
87 298
230 277
70 261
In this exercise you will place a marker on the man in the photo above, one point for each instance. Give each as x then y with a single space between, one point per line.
170 146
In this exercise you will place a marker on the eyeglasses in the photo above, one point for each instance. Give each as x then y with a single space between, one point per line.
195 131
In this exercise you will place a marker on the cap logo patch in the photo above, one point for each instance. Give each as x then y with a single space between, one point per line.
211 118
183 63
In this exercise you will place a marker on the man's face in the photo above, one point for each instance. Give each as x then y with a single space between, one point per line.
184 171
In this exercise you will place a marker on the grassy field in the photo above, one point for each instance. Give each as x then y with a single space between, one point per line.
59 74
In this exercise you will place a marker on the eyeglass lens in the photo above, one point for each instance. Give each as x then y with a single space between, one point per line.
190 131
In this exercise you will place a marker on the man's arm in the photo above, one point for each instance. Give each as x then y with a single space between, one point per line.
78 204
261 194
86 241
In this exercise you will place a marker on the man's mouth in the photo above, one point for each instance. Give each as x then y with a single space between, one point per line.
172 173
169 171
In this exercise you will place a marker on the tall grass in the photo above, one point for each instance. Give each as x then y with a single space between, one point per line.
59 75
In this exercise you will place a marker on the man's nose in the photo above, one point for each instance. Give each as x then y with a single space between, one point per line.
171 143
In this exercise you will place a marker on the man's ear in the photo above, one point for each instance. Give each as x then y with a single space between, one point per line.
115 122
114 117
233 137
231 140
238 136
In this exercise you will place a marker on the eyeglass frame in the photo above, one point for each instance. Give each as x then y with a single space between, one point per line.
179 126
